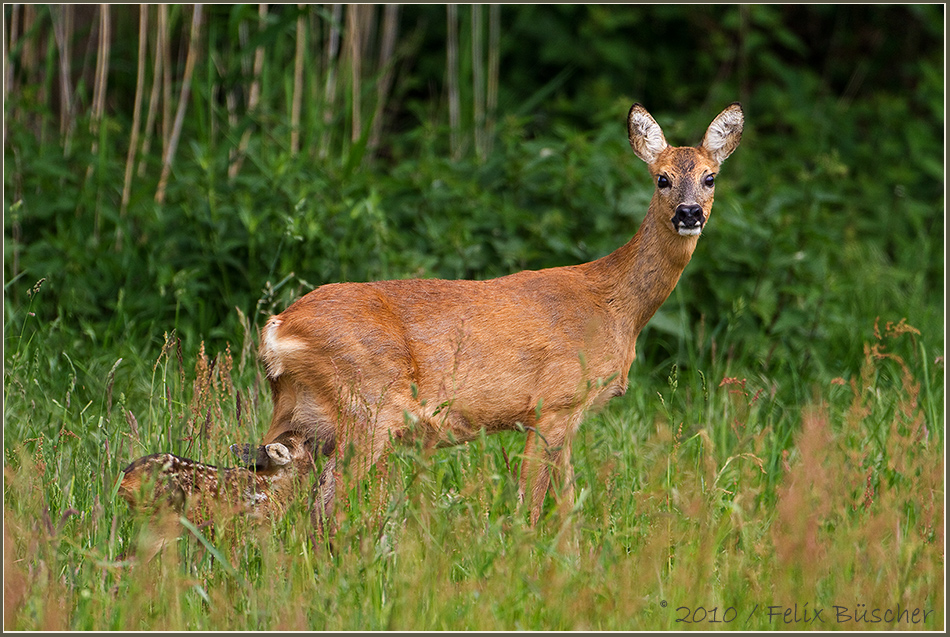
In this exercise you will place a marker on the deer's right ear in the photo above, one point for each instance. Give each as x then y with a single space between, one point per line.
646 136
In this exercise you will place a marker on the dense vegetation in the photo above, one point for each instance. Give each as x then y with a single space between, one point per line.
786 409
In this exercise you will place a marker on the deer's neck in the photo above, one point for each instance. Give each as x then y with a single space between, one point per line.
640 275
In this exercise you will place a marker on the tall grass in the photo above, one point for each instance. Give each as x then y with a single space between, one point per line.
694 508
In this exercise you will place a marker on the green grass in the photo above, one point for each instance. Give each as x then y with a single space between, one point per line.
700 496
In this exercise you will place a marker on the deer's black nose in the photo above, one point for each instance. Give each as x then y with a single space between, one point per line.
688 217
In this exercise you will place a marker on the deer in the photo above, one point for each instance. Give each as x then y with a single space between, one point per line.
357 367
165 482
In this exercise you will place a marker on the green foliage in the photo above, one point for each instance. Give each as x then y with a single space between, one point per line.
784 357
696 485
835 225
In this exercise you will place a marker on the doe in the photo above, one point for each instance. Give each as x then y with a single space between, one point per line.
359 366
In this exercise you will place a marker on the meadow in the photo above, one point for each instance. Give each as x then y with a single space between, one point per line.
778 461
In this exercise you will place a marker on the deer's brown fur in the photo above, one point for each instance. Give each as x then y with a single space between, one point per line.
367 364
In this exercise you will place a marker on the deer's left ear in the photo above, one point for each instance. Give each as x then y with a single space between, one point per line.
278 453
723 135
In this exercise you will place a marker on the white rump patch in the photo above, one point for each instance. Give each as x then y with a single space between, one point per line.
274 349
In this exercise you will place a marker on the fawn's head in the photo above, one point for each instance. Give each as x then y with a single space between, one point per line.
293 449
684 177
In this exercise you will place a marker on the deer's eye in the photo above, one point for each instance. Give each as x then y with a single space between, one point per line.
709 180
663 182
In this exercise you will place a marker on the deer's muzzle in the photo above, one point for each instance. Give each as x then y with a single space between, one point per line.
688 219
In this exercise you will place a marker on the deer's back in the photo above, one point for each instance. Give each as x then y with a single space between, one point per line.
461 355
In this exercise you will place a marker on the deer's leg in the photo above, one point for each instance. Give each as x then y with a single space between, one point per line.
547 463
547 450
564 478
357 450
534 476
322 496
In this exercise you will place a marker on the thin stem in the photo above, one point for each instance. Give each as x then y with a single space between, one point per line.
153 99
182 104
491 101
329 93
452 70
254 97
99 95
62 31
7 67
136 121
390 27
478 82
353 19
28 53
298 83
165 37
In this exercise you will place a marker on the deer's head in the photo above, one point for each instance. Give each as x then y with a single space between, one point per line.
685 177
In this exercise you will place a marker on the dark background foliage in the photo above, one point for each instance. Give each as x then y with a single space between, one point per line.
830 214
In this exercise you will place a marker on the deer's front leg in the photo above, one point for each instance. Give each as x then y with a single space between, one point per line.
322 497
547 450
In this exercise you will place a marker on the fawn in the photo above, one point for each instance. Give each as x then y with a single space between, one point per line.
200 490
363 365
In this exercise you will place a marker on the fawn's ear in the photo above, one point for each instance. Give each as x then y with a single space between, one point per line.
259 457
245 453
278 453
646 136
723 135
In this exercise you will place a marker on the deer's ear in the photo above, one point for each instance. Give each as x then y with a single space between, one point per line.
723 135
278 453
646 136
245 453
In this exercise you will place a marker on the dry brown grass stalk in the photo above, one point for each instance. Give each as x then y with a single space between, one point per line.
297 97
385 70
182 104
452 77
136 120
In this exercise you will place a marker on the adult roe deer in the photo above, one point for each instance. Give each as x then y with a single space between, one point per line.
367 364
